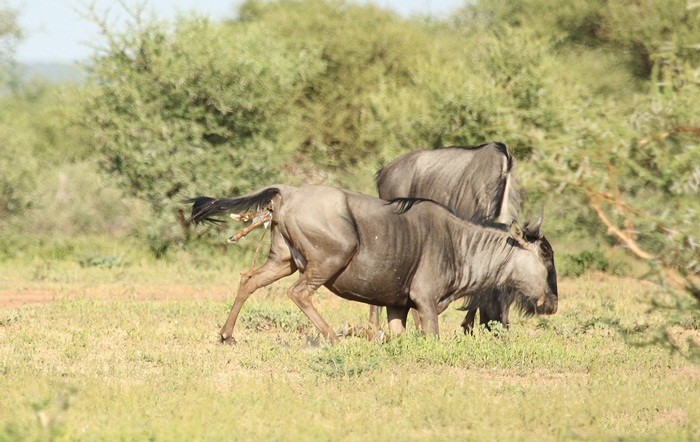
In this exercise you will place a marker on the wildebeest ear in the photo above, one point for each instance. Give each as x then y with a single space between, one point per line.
516 232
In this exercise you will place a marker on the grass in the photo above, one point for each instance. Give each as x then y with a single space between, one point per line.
117 357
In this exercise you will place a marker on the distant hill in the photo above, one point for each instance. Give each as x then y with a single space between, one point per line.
53 72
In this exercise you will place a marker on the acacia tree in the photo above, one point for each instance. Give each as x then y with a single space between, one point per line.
633 163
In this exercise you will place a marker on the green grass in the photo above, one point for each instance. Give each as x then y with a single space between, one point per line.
103 363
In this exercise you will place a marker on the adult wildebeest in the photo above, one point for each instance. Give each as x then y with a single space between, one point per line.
475 183
405 254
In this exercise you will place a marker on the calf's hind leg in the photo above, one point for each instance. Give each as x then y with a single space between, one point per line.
278 265
468 322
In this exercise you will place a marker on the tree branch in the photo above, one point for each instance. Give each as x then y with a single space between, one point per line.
613 229
629 242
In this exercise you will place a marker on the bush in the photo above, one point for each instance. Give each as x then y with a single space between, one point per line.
578 264
38 135
199 107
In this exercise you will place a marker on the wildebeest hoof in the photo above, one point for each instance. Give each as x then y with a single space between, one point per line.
344 330
380 336
230 340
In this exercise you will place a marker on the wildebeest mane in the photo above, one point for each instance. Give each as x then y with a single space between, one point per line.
403 205
498 145
205 209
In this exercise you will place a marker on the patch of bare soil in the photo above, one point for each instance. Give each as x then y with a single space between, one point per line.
18 297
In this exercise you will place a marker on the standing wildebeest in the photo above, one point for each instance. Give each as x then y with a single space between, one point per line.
474 182
405 254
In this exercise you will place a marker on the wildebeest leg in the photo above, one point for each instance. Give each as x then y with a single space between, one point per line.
468 323
485 318
396 317
268 273
416 319
496 312
428 311
300 292
505 309
374 315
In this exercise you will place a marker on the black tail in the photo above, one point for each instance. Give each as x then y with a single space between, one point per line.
204 208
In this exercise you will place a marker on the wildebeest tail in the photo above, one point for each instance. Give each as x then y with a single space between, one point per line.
205 209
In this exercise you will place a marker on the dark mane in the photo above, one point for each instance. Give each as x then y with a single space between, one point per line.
403 205
492 224
497 144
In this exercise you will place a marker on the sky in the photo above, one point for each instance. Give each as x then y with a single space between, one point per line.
55 31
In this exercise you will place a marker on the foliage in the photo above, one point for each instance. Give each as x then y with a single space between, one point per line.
578 264
193 108
644 185
496 86
389 84
37 134
637 31
107 261
632 163
348 85
10 35
365 60
596 100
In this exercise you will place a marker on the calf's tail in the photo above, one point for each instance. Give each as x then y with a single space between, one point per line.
205 209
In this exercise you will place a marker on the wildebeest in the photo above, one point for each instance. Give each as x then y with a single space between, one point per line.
406 254
475 183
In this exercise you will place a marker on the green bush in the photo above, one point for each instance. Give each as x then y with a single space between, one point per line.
578 264
199 107
37 135
596 99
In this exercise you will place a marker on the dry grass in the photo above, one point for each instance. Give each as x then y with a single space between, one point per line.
116 356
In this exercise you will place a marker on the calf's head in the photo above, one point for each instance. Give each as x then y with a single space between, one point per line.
532 272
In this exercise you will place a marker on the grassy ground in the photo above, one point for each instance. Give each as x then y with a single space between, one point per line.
130 351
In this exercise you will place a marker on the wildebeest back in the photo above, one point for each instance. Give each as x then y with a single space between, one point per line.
474 182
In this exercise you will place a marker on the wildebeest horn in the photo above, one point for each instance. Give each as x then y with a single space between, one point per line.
538 224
